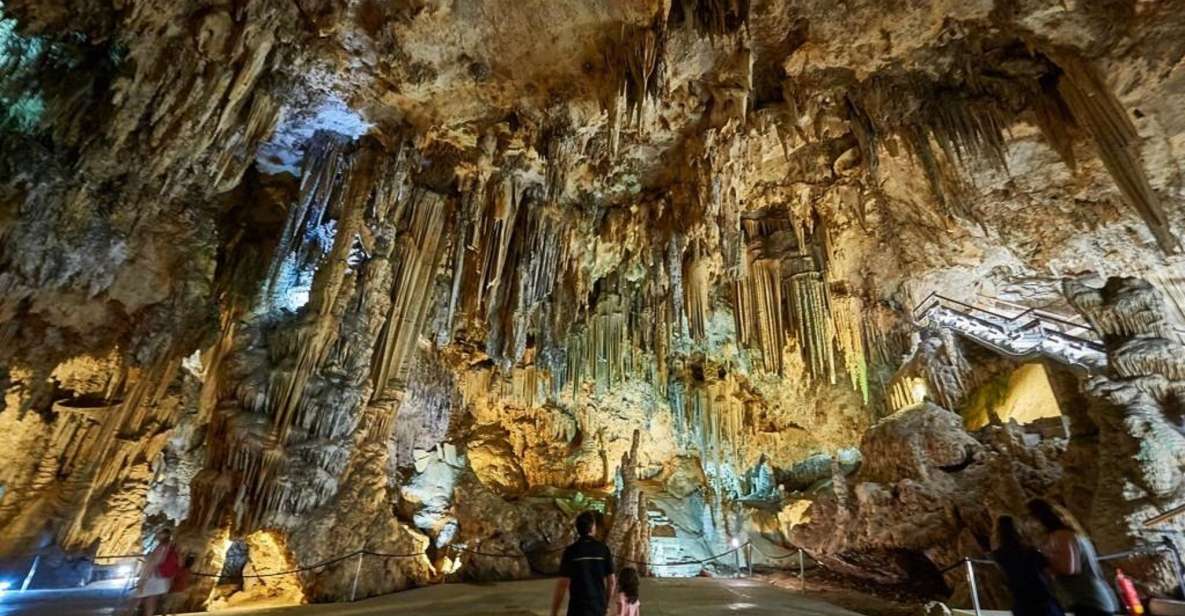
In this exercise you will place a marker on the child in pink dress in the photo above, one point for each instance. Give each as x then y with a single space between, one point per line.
627 601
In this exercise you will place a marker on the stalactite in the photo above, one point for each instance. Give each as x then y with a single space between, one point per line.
603 351
1096 109
714 17
847 315
710 419
970 124
323 296
421 247
560 149
759 311
116 443
697 287
783 294
291 392
640 56
321 179
674 268
811 322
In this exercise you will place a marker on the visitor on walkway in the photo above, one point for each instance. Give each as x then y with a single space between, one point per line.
1073 560
1025 572
179 588
157 576
586 573
627 603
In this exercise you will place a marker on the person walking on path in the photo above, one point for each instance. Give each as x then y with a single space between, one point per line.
1073 560
1025 572
627 602
157 576
179 587
586 573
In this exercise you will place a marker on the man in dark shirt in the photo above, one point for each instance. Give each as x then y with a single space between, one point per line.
586 573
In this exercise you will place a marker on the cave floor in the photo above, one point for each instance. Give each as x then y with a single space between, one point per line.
682 596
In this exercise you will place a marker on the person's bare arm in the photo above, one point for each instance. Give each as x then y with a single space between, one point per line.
557 598
611 585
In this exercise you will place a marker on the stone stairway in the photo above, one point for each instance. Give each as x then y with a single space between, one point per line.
670 544
1023 333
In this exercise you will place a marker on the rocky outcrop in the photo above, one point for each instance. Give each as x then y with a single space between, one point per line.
926 495
1133 466
927 491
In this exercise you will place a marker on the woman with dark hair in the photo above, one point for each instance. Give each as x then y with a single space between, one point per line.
1073 560
1024 571
160 566
627 593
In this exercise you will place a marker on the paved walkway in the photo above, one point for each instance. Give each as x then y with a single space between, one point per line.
660 597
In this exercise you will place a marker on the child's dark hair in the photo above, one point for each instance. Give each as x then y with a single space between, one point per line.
627 584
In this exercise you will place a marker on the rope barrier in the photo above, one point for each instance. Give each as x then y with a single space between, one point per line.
493 555
793 554
684 563
387 556
458 548
324 563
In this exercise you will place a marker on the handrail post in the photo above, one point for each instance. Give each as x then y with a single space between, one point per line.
357 573
736 560
974 589
32 571
749 557
801 571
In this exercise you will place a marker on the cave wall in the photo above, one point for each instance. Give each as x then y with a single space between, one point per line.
359 275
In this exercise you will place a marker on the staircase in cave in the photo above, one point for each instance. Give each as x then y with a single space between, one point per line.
668 544
1016 331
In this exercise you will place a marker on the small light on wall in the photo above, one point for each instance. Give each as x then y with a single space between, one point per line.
920 391
736 542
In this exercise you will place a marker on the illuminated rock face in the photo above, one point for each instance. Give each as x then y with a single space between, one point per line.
927 491
398 277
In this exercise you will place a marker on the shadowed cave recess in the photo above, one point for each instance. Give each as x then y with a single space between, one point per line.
428 277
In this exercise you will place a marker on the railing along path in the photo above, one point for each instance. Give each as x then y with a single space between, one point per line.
1028 333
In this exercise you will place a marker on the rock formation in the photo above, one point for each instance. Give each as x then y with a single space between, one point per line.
927 491
388 291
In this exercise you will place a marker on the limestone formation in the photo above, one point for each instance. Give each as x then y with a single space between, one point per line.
388 292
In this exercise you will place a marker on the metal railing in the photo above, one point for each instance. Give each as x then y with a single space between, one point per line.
1025 334
968 565
1027 319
